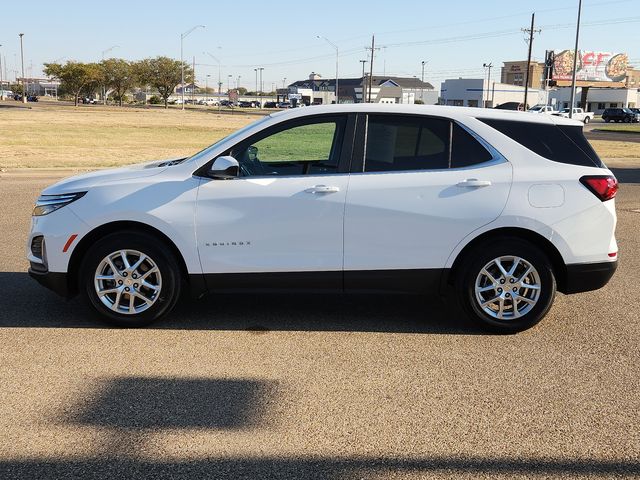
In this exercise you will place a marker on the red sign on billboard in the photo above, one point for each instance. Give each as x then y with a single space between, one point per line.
591 66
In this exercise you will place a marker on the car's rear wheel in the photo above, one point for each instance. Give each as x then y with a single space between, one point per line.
130 279
586 120
506 284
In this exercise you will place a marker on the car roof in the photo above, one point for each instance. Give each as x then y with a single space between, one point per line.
455 113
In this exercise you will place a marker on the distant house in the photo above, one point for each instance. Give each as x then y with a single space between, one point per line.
384 89
188 89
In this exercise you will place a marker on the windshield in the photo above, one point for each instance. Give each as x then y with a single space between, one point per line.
627 110
205 153
535 109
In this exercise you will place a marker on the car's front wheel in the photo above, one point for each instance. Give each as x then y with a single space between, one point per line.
586 120
506 284
130 278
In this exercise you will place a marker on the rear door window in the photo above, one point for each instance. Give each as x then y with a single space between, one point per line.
405 143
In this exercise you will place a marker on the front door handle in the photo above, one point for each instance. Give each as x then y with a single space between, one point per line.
473 183
322 189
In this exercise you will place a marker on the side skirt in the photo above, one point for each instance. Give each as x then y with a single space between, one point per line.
413 281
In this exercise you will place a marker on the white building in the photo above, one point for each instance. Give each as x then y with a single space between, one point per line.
477 92
597 98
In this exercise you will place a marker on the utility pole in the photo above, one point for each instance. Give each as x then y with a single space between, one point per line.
24 93
260 69
373 49
531 31
182 37
575 63
488 67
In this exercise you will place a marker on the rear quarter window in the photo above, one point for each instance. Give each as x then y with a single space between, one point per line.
559 143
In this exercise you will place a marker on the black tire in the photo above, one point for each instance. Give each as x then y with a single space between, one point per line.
627 120
157 252
606 120
586 120
473 263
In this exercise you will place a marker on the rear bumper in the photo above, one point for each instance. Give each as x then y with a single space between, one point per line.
56 281
584 277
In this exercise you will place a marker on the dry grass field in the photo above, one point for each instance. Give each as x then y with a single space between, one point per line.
57 136
91 136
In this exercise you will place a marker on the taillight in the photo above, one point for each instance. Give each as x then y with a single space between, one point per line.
604 187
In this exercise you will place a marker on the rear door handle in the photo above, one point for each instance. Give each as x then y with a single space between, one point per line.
473 183
322 189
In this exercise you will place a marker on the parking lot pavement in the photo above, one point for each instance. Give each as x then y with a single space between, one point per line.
257 386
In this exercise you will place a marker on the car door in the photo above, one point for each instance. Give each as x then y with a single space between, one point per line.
280 223
423 185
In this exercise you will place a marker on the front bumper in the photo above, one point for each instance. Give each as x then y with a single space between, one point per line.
56 281
584 277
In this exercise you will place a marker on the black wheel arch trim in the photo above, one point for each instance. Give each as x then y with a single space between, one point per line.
197 287
548 248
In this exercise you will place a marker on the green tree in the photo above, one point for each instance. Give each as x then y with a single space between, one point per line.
118 75
75 77
163 74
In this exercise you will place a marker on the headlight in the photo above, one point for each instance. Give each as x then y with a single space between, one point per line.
50 203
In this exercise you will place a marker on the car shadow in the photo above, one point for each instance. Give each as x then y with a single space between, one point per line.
128 411
27 304
627 175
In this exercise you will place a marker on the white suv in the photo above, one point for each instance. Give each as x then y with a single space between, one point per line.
503 207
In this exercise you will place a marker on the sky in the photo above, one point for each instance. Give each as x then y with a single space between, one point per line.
453 37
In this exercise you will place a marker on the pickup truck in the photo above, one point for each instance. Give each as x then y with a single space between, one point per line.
578 114
548 109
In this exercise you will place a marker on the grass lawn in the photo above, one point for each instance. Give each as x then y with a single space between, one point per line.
55 136
621 127
52 136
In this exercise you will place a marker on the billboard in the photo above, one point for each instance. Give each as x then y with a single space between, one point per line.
591 66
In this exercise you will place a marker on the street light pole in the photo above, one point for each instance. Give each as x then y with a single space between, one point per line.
182 37
260 69
1 82
424 62
575 63
488 67
219 78
256 70
104 88
337 55
24 93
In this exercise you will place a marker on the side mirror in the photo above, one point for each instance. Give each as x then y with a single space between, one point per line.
224 168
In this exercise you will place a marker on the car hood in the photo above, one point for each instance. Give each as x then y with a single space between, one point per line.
87 180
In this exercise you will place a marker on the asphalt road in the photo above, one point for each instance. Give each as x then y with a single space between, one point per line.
326 387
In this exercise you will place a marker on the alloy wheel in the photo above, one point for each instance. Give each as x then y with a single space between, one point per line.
507 287
128 282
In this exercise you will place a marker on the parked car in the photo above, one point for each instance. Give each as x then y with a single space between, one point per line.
270 105
625 115
635 110
578 114
501 209
284 105
547 109
512 106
